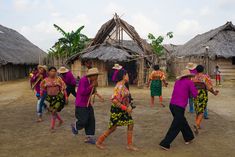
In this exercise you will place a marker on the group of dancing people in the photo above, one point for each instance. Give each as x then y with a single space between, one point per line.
54 86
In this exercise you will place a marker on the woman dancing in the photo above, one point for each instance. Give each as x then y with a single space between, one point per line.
120 112
204 84
55 88
156 78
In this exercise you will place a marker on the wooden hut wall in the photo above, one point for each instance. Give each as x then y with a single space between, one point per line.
11 72
141 73
80 70
102 79
77 68
177 64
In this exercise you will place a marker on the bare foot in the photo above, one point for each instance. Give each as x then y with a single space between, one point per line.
52 130
132 148
163 105
60 123
196 131
100 146
39 120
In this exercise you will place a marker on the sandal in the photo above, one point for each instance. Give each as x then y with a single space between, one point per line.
164 148
90 140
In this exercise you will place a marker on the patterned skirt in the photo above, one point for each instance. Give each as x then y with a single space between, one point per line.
119 117
156 88
200 103
56 102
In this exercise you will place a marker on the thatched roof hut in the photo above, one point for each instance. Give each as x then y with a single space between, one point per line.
17 54
216 46
220 42
109 47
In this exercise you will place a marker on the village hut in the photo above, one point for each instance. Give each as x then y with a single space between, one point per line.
216 47
164 60
17 55
109 47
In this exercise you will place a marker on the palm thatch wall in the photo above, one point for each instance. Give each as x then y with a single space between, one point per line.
214 47
109 47
17 55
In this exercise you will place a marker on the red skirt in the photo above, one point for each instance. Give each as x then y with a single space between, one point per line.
217 77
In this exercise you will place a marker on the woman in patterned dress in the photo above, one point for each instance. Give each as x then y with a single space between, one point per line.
120 112
55 89
204 84
156 78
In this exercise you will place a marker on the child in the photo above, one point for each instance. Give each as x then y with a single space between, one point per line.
217 75
183 88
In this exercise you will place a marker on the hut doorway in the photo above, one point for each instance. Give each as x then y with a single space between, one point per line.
233 60
131 68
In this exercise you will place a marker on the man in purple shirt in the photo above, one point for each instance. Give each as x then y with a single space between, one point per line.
69 80
183 89
84 111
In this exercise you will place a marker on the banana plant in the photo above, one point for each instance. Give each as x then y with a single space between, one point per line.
70 42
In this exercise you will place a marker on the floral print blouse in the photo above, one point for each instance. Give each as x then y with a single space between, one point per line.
203 78
53 86
121 94
157 75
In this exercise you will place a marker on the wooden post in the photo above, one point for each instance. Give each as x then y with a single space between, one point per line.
141 73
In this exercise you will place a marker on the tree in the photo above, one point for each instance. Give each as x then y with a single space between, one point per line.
156 43
69 44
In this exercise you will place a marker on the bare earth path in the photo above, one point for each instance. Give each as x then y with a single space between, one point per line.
21 136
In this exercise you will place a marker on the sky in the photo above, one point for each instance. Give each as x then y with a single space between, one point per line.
185 18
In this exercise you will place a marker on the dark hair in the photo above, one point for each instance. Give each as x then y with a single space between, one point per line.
52 68
200 68
156 67
120 74
217 67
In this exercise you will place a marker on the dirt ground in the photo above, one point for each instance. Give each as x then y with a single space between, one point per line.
21 136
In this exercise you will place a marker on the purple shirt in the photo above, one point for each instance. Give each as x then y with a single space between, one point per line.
69 79
183 88
83 92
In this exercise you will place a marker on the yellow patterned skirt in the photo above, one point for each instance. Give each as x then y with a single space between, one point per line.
119 117
200 102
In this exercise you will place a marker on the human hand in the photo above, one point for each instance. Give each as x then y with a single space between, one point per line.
129 110
94 83
216 92
166 84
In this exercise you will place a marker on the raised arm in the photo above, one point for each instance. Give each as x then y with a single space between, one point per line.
84 88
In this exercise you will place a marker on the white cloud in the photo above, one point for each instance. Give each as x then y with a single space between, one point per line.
112 8
44 34
187 12
187 29
144 25
226 4
31 5
205 11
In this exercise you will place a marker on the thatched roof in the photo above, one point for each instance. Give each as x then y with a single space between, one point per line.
16 49
217 42
104 48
